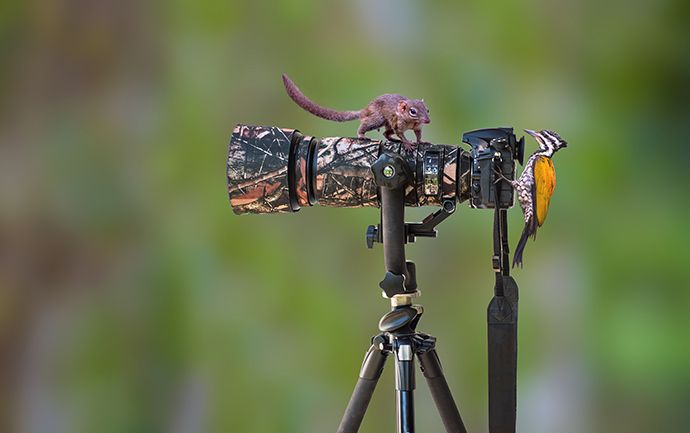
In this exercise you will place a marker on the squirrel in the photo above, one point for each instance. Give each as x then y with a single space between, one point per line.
395 112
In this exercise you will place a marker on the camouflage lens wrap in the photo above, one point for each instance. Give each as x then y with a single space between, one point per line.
449 174
257 169
417 193
464 178
343 172
423 197
344 177
272 169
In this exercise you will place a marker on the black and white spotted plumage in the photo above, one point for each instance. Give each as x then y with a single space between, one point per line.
528 190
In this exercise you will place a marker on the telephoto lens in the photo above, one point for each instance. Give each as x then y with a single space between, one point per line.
272 169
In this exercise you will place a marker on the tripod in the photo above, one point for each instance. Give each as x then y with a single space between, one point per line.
398 327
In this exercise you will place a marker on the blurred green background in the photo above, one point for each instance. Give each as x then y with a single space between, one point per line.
133 300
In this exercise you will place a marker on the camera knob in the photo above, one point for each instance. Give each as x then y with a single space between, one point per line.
390 171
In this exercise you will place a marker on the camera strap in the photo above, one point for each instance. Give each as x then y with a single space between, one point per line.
502 315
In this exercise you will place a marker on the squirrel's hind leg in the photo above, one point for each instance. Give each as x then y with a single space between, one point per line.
369 123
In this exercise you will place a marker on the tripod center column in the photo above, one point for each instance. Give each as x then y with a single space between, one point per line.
391 174
404 385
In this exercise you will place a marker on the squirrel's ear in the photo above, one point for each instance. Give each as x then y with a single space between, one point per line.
402 105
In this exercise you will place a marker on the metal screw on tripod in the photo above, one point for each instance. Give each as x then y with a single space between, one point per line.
380 342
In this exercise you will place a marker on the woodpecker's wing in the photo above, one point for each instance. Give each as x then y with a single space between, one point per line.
544 184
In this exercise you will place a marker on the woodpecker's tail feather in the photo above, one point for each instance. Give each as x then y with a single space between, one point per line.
326 113
529 230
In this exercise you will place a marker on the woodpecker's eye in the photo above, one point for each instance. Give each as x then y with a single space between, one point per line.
413 111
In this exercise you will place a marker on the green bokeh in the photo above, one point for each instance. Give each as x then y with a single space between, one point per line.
133 300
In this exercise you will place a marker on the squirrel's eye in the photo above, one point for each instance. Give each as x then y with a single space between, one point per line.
413 111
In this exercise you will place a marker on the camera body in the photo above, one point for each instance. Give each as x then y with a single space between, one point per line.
492 150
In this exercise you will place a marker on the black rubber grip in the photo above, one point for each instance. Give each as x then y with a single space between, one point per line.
431 367
357 407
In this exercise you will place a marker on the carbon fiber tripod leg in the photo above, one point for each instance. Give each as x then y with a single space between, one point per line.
369 375
431 368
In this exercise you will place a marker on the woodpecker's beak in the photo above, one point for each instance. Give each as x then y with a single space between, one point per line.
532 133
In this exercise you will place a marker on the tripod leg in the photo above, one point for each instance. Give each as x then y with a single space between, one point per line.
369 375
404 387
431 368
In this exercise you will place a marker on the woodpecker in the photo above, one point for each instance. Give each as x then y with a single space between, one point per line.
535 186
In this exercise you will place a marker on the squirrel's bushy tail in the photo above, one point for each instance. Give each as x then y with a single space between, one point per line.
326 113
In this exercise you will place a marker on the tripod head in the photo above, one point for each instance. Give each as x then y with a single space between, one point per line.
392 177
391 174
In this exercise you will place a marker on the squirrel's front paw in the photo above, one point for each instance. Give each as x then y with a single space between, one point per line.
409 146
